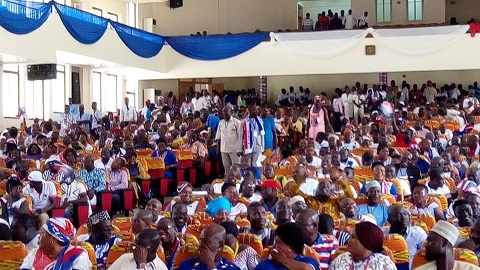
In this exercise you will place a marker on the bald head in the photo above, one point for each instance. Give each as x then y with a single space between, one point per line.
306 214
88 163
213 238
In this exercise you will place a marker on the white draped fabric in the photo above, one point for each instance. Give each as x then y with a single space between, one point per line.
407 41
325 44
418 41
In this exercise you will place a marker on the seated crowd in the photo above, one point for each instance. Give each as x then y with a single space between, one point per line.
373 178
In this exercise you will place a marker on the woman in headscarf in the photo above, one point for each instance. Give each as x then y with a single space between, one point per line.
219 209
364 250
54 251
185 196
245 256
100 236
318 118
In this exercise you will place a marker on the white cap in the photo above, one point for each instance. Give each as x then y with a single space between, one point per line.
446 230
35 176
295 199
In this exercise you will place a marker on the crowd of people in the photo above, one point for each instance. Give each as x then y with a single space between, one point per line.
334 21
311 182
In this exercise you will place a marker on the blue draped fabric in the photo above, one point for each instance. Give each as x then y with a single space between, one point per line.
215 47
23 17
142 43
85 27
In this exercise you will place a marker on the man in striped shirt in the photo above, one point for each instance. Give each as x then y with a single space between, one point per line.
324 245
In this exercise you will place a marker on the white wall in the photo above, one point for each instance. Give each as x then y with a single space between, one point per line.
221 16
117 7
433 11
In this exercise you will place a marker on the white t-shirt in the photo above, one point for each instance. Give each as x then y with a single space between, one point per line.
41 200
349 21
99 164
316 162
474 102
441 190
127 262
309 187
237 209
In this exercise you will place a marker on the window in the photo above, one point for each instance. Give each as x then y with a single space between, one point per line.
10 91
384 8
97 88
111 93
34 99
113 17
97 11
131 92
58 90
415 10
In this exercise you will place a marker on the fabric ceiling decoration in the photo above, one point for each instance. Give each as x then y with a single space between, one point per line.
23 17
424 40
85 27
215 47
142 43
324 44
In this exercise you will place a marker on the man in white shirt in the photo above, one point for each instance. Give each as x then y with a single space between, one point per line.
306 184
363 21
307 23
430 92
349 20
202 102
144 253
105 161
128 113
35 129
436 183
66 121
282 98
227 137
470 103
43 194
454 92
311 159
347 98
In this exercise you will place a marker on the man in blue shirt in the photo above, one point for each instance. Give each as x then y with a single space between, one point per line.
373 206
212 122
168 157
73 108
212 241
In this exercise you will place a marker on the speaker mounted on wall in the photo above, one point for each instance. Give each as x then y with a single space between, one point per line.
176 3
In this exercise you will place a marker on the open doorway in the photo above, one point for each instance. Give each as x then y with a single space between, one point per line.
315 7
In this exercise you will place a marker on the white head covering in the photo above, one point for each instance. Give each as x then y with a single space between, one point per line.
295 199
446 230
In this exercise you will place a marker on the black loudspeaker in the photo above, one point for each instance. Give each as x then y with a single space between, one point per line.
176 3
42 72
158 93
75 88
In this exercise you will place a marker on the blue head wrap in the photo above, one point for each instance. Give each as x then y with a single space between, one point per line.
218 204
